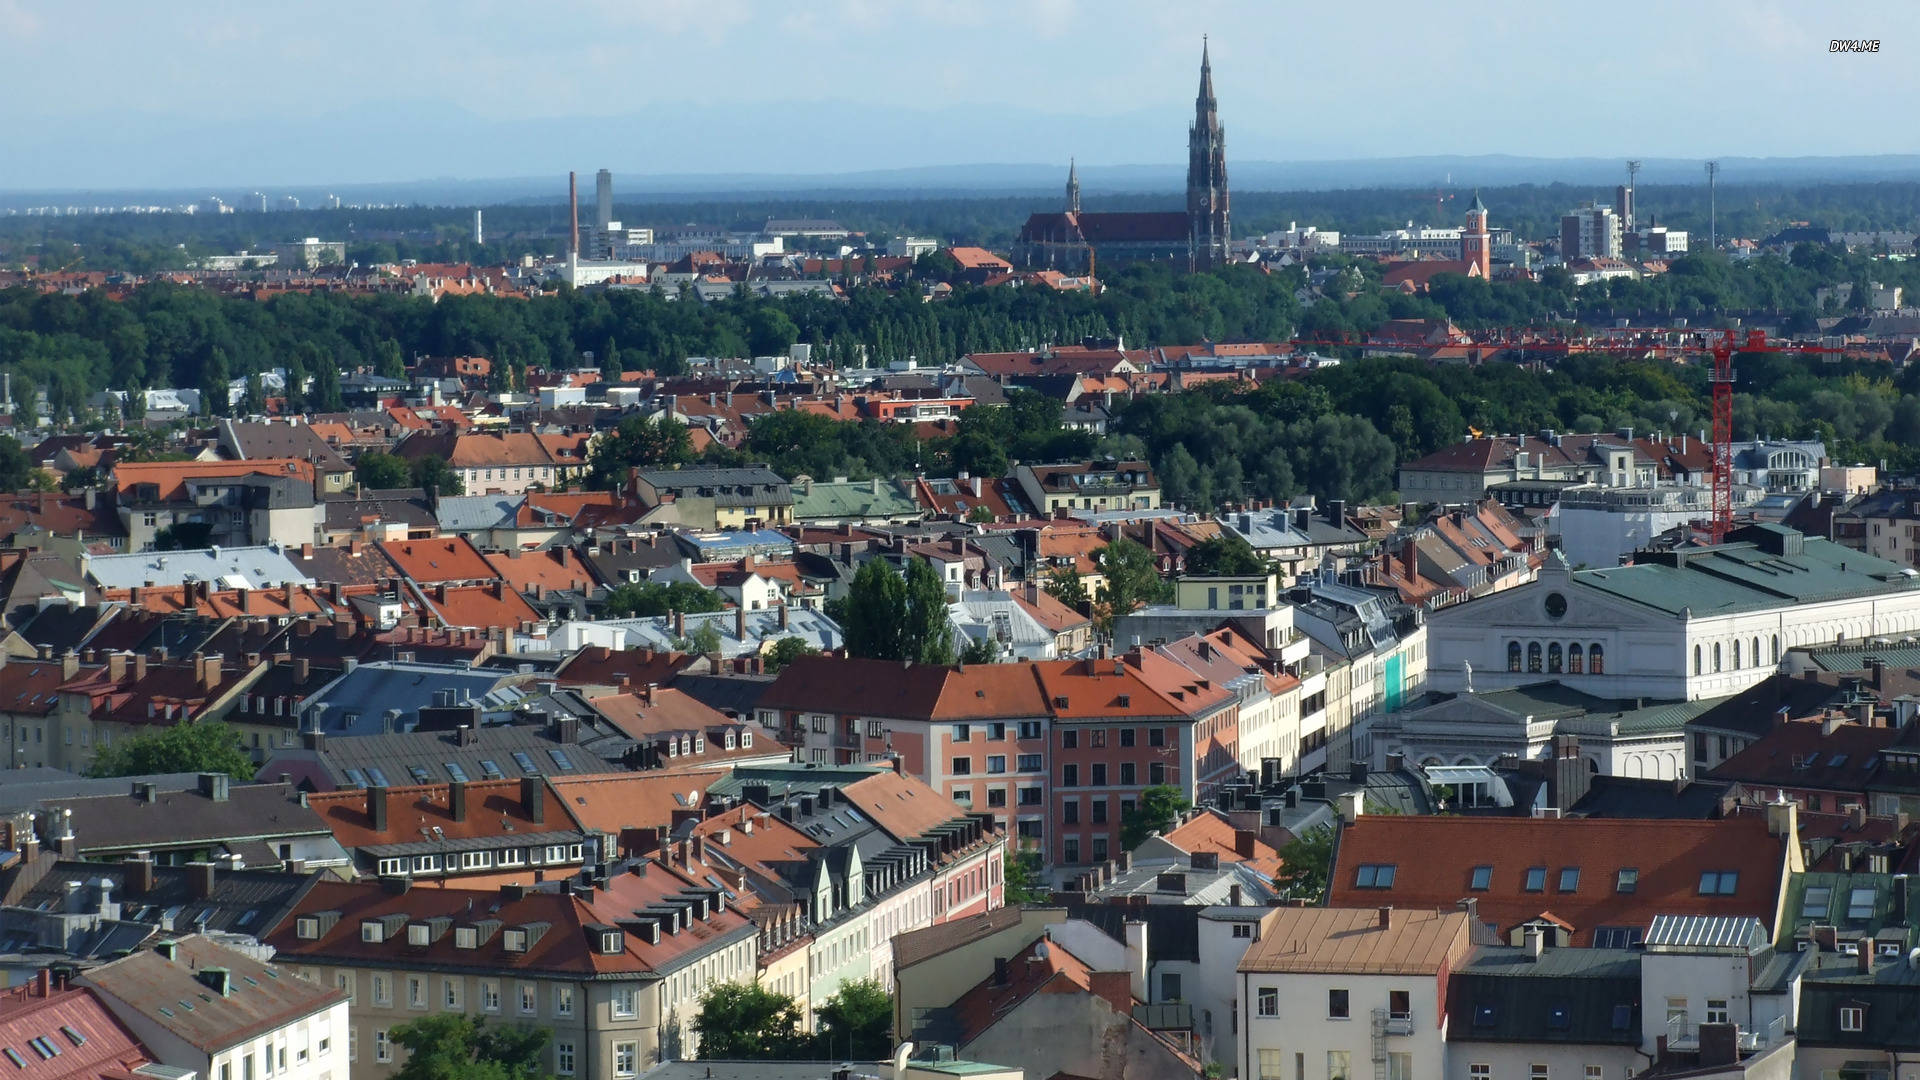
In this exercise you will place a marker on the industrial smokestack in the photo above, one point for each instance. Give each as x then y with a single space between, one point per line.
603 200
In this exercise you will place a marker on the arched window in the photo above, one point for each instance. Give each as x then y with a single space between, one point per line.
1576 659
1596 661
1513 656
1776 648
1554 658
1756 652
1696 659
1533 656
1716 656
1736 654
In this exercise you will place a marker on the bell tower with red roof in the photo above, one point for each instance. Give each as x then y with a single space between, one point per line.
1476 246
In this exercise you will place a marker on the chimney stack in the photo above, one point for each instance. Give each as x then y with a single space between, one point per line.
457 800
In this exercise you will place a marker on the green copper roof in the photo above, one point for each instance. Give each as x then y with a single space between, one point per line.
1767 567
851 499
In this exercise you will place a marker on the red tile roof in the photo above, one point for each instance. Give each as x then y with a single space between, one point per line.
1434 859
34 1011
170 477
441 559
494 808
478 606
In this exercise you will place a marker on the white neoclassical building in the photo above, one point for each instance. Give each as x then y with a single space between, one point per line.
1681 625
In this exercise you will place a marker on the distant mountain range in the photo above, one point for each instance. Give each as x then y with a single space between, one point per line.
363 154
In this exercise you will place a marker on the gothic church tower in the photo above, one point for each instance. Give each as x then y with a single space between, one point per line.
1206 177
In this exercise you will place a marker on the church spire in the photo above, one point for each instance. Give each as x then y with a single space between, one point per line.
1073 187
1206 103
1206 174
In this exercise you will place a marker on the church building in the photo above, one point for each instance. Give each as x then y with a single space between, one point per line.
1077 241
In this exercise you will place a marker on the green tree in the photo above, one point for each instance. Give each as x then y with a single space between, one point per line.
434 474
747 1022
183 536
26 404
189 746
875 625
16 466
786 651
380 471
638 442
1022 878
1306 865
254 402
1067 586
325 394
856 1023
1226 555
454 1046
214 383
1156 811
388 362
980 650
770 332
1131 579
706 639
927 630
653 598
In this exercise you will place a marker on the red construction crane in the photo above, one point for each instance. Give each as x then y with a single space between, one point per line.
1720 346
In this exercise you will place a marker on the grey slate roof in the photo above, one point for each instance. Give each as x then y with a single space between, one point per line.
24 789
346 761
466 513
258 567
1565 996
359 701
182 819
243 901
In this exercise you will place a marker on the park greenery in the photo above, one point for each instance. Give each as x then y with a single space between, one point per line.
1338 431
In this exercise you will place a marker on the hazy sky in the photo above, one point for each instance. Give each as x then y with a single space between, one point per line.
210 87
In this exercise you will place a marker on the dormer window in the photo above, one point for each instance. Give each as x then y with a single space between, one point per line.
307 928
610 942
1853 1018
418 934
466 937
372 931
514 941
746 740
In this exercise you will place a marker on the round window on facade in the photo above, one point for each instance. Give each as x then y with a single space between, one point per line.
1556 604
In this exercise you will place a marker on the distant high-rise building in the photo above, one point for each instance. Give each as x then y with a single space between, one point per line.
479 229
603 200
1623 205
1591 232
257 202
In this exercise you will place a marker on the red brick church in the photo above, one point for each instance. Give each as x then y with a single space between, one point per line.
1076 240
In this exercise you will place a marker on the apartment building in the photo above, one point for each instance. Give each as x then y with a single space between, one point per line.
1056 751
1325 991
221 1013
600 964
471 834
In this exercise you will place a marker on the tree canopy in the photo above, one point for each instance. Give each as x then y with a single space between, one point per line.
653 598
189 746
747 1022
1157 809
454 1046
